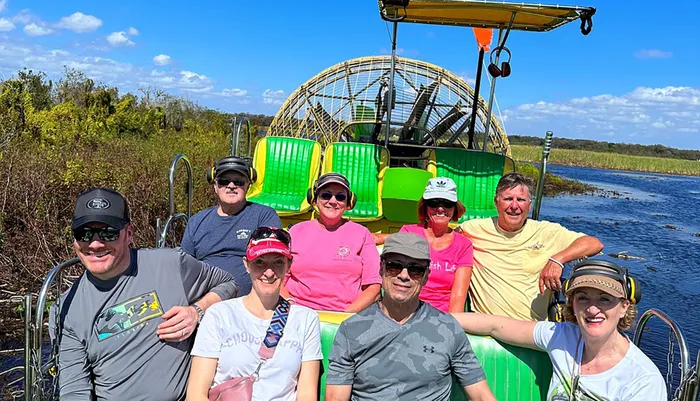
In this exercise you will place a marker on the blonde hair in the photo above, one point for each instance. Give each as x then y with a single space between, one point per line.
623 324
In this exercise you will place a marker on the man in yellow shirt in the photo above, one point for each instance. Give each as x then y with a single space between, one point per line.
518 262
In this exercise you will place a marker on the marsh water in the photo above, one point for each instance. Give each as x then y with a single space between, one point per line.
649 216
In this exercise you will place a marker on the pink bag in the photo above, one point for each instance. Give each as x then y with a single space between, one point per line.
241 388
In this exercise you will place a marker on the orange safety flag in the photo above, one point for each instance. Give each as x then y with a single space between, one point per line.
483 37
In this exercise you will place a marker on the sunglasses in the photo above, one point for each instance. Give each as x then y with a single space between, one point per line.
271 232
435 203
340 197
106 234
415 271
223 182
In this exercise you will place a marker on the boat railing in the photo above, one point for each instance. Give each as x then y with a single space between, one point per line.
546 147
163 230
687 389
236 134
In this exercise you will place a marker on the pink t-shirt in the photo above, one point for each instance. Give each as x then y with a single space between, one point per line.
330 267
443 265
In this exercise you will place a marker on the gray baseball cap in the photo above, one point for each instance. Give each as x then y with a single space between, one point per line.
411 245
441 188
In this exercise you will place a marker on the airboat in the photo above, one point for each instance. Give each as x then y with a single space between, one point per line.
389 124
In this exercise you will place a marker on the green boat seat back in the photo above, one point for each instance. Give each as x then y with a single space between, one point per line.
513 373
286 168
364 165
476 174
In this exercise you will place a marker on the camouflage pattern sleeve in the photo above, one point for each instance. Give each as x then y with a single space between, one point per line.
341 363
465 366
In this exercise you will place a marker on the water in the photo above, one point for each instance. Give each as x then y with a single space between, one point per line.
654 217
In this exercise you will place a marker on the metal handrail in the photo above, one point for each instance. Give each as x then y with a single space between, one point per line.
683 348
235 138
543 171
161 231
160 241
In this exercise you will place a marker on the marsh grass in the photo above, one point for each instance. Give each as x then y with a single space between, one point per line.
611 161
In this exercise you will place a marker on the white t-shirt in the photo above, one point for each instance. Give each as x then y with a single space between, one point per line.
232 334
635 377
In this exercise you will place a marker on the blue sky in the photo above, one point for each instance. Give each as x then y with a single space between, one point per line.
633 79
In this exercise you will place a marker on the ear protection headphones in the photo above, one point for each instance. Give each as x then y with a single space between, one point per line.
504 71
312 193
598 267
232 163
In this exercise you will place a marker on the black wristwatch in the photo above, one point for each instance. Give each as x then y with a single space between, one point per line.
200 312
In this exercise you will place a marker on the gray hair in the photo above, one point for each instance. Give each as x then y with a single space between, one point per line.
512 180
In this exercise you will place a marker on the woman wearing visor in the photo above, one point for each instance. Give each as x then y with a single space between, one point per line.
230 339
336 263
592 359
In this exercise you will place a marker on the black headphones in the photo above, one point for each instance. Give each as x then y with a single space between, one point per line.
232 163
599 267
312 193
504 71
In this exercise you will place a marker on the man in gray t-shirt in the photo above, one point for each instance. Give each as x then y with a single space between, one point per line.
125 326
401 348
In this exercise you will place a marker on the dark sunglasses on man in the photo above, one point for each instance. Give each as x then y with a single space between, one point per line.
105 234
271 232
435 203
224 182
415 271
340 196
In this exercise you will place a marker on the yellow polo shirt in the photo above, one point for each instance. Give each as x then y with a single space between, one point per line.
507 266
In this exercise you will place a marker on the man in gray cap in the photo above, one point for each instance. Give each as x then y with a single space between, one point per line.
400 347
219 234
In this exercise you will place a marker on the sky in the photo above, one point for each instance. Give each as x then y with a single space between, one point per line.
633 79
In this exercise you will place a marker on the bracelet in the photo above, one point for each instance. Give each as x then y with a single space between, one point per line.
557 262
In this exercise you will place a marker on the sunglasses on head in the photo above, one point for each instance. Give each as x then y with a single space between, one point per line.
415 271
435 203
106 234
223 182
340 197
271 232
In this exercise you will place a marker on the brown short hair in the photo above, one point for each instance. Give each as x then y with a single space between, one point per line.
460 209
625 323
512 180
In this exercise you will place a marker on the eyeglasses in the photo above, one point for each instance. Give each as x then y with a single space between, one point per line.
340 197
106 234
435 203
223 182
415 271
271 232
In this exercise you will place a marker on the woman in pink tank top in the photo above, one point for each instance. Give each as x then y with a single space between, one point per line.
450 253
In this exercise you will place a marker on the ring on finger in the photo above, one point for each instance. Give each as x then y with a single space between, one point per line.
182 332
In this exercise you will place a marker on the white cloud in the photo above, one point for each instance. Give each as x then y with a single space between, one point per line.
644 115
36 30
79 22
235 92
3 4
6 25
273 96
652 53
117 39
23 17
162 59
132 31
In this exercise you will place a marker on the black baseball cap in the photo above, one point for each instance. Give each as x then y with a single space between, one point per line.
232 163
101 205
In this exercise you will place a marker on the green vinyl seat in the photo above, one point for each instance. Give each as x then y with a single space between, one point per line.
512 373
364 166
476 174
286 168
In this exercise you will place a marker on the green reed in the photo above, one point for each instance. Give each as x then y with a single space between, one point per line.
612 161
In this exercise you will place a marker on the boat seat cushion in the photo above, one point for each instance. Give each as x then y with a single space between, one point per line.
286 168
513 373
476 174
364 165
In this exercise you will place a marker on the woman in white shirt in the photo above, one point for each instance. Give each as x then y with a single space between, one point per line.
230 335
592 359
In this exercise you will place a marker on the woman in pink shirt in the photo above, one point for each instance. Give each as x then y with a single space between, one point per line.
336 262
450 253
